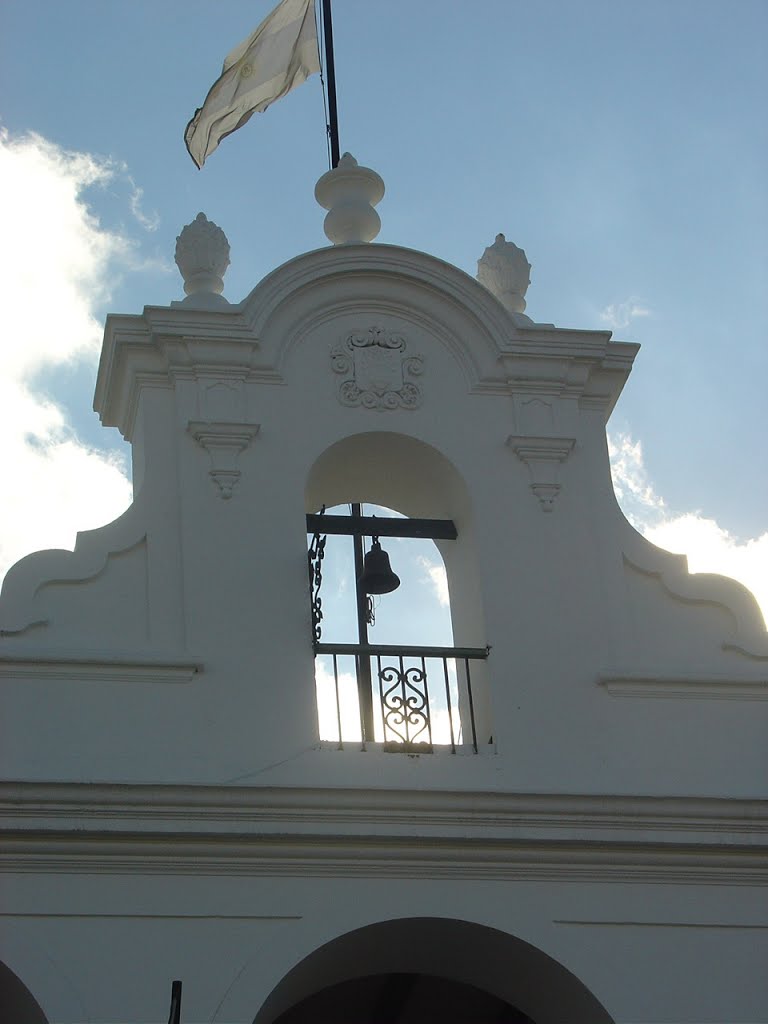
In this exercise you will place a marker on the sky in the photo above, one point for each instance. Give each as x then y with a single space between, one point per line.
623 145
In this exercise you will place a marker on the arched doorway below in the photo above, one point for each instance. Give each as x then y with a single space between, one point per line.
419 970
403 999
17 1004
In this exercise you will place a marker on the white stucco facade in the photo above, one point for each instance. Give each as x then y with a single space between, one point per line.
168 809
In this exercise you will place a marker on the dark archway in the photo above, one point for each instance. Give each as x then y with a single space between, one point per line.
365 970
403 999
17 1004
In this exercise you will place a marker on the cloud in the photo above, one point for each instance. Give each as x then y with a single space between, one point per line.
709 546
435 575
57 265
634 491
328 710
149 221
620 314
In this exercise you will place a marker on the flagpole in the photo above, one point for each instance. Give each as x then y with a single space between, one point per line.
333 117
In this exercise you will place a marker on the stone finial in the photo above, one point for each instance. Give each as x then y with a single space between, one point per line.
349 193
202 256
505 271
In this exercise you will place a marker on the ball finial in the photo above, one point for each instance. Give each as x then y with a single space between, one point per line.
349 193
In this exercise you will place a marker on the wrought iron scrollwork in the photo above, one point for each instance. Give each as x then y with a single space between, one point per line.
405 704
315 557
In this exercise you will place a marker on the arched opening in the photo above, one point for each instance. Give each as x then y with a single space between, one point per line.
430 969
418 702
17 1004
403 999
422 689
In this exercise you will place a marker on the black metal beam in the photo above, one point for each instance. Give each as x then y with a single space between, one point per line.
374 526
409 651
364 686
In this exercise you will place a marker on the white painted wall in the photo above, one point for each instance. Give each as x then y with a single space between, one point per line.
158 694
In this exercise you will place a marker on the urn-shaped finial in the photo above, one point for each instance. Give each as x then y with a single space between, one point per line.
349 193
202 256
505 271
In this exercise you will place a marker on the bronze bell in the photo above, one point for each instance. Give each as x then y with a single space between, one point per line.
377 576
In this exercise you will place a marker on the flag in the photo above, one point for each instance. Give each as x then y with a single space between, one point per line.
281 54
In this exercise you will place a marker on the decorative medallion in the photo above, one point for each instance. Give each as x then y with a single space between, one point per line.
376 371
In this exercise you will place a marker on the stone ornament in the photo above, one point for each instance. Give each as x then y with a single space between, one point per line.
349 193
202 256
224 442
505 271
376 373
543 456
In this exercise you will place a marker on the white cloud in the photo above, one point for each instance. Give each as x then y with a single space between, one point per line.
57 263
710 547
435 575
149 221
633 490
618 315
328 710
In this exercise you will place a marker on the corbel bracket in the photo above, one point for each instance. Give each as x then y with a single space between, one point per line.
543 456
223 442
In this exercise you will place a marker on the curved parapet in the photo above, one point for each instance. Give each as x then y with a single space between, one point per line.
118 589
20 604
734 609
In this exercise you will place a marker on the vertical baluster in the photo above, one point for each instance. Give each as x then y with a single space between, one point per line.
360 707
471 706
338 699
405 701
427 708
381 700
448 703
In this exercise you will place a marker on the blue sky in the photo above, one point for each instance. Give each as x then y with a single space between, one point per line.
622 145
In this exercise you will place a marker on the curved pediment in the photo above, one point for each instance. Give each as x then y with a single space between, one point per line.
499 352
381 279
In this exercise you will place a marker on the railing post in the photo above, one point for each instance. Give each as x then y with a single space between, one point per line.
471 706
364 690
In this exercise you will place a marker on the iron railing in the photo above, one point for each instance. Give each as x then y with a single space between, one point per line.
410 699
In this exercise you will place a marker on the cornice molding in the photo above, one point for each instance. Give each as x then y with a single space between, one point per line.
380 857
104 806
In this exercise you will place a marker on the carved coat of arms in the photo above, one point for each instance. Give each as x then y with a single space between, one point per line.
376 373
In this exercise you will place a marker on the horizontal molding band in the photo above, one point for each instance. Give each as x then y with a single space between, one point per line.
380 857
715 688
98 668
96 802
